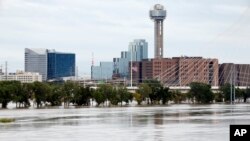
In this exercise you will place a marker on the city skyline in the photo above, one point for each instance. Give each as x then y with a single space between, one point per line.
209 28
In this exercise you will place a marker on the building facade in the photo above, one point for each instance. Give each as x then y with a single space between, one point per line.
23 77
181 71
60 65
136 72
36 60
49 63
121 64
237 74
138 49
102 72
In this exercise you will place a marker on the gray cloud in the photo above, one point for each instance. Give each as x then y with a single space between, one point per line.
209 28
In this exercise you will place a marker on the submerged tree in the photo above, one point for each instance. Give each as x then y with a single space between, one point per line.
40 90
7 92
68 90
155 87
145 90
201 92
54 95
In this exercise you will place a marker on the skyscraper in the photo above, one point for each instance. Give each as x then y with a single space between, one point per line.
158 14
49 63
60 64
139 50
36 61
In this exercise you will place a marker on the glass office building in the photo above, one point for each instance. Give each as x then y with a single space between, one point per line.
60 64
49 63
139 49
102 72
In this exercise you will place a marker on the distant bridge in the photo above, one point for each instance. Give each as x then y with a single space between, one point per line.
186 89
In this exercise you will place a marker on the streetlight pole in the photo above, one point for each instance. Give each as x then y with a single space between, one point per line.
231 89
234 84
131 73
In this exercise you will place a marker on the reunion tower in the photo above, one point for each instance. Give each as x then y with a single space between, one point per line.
158 14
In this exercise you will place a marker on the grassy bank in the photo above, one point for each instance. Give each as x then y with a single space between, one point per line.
6 120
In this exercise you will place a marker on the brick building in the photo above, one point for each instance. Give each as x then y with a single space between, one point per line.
179 71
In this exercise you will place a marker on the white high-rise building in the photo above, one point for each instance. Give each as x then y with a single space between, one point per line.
36 61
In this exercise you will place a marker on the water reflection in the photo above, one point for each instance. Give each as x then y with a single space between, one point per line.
187 122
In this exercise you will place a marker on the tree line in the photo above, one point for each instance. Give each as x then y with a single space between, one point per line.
150 92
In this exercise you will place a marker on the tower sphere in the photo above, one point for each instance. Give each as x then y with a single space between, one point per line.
158 12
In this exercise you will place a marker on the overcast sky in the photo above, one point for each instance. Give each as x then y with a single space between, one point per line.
209 28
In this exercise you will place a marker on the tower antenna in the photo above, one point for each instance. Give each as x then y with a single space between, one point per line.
92 63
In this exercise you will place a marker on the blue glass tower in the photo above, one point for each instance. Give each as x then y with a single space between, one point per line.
60 65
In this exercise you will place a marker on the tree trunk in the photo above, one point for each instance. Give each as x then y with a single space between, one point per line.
4 105
245 99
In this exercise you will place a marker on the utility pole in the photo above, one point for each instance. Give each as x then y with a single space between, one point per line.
234 84
131 73
6 70
231 89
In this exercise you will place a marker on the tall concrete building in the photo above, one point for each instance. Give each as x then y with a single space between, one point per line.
36 60
49 63
158 14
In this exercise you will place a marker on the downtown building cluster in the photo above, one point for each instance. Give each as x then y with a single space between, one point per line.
52 65
119 67
43 65
176 71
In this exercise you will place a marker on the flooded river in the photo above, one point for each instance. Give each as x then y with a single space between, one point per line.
171 123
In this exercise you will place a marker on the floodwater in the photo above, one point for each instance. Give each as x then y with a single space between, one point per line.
168 123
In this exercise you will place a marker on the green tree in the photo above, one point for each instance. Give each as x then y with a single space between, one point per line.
145 91
22 94
40 90
106 90
68 90
178 97
218 97
7 92
239 94
99 97
155 87
246 94
138 97
54 96
226 91
82 96
164 95
201 92
114 97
